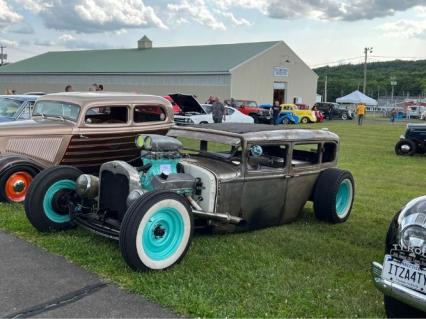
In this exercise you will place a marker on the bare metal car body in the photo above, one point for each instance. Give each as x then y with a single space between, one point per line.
283 192
45 141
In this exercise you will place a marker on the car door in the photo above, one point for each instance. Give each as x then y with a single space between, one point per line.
265 184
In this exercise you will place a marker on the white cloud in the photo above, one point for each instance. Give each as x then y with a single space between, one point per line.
8 43
66 37
404 29
7 15
91 16
236 21
198 11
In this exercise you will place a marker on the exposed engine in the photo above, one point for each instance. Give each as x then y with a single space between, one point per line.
120 184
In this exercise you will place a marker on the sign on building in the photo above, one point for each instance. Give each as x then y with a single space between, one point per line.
280 71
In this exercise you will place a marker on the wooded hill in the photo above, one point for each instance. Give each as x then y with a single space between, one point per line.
344 79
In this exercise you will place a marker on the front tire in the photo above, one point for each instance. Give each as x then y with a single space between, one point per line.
15 183
46 205
304 120
405 147
286 121
344 116
156 231
334 194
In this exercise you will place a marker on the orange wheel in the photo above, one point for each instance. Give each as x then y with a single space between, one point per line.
16 186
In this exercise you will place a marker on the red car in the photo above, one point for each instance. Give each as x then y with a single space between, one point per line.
176 108
319 115
251 108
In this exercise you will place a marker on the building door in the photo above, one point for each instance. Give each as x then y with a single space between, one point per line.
280 92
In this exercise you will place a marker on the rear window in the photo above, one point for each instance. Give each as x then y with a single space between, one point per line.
148 113
305 154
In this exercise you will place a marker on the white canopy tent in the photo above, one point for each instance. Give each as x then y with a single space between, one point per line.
357 97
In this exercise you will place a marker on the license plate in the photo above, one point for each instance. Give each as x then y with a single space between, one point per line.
405 273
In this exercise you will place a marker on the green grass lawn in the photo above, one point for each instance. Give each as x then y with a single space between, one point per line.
304 269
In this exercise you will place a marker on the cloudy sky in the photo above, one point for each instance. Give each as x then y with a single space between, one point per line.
320 31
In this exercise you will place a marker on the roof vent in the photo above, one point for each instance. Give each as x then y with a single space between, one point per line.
144 43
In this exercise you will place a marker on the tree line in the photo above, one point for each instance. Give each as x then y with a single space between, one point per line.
344 79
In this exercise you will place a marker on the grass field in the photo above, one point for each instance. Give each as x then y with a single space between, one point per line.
304 269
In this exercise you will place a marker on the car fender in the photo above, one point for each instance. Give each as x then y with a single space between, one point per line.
8 161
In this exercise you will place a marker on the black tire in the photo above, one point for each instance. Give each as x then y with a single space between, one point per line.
304 120
405 147
396 309
333 196
344 116
255 118
136 223
34 206
204 122
285 120
18 169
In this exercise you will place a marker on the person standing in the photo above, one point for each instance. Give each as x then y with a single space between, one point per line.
218 111
360 112
276 109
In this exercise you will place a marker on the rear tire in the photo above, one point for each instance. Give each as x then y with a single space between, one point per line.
46 202
344 116
285 121
334 194
405 147
304 120
15 183
156 231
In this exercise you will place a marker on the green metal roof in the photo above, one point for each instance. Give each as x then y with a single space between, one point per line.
185 59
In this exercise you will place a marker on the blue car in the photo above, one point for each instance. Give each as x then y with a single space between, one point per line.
16 107
284 117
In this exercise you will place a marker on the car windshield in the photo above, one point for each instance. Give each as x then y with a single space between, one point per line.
207 108
57 109
8 107
230 153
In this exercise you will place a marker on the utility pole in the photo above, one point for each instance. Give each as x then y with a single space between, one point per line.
393 84
325 89
2 55
366 51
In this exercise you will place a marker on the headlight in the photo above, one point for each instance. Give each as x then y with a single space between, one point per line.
87 185
414 237
188 120
412 224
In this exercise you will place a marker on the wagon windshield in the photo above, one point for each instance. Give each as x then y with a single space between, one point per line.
57 109
8 107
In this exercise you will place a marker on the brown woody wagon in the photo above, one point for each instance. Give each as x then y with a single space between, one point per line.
79 129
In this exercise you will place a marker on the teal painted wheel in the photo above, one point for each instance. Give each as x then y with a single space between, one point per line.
156 231
51 207
163 233
344 198
334 195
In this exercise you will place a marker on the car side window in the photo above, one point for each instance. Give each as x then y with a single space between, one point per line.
329 152
148 113
107 115
305 154
267 157
229 111
26 112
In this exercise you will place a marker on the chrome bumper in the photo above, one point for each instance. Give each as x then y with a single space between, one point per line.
406 295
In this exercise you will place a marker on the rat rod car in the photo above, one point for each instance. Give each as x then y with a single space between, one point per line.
214 180
413 141
402 276
79 129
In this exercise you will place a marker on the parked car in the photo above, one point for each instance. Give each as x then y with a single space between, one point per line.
79 129
176 108
402 275
16 107
231 116
305 116
318 114
423 116
250 108
413 141
214 180
415 111
287 118
337 112
302 106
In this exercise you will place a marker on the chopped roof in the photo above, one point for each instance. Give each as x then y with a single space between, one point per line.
256 132
218 58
